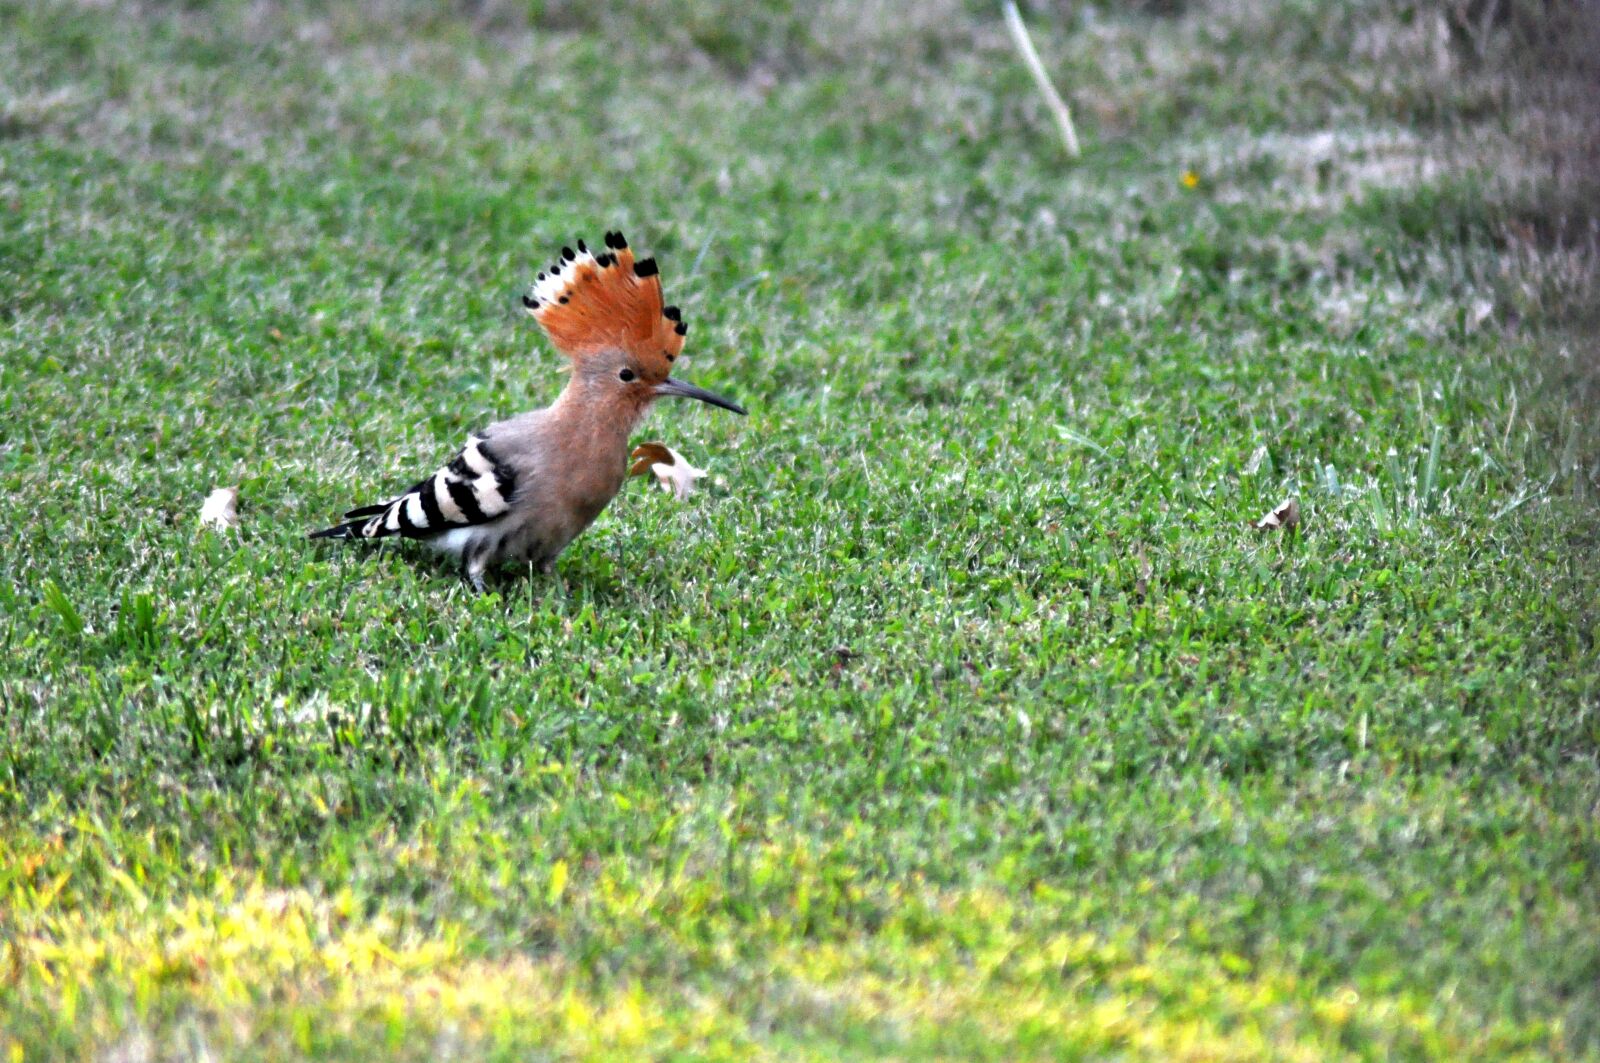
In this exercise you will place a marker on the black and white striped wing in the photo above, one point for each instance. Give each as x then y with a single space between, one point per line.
475 488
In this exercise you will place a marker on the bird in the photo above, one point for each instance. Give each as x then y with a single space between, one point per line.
522 489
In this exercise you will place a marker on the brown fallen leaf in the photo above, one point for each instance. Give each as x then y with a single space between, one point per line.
647 454
671 469
1285 516
220 511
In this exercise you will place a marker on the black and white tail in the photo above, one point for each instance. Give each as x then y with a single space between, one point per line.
475 488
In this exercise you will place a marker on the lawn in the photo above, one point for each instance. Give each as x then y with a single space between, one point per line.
961 713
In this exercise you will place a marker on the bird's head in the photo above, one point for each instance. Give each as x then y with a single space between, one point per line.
605 312
620 377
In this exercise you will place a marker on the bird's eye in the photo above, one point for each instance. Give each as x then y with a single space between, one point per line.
626 376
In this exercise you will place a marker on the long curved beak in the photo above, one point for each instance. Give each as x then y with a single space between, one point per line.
678 389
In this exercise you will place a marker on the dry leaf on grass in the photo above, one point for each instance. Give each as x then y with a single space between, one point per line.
221 509
671 469
1285 516
647 454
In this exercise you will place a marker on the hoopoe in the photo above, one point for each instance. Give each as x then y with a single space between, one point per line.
522 489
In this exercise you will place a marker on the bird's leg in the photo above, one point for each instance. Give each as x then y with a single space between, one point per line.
547 567
473 564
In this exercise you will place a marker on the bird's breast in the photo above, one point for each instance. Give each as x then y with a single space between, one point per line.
585 484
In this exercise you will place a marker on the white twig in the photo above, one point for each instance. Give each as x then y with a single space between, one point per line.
1052 98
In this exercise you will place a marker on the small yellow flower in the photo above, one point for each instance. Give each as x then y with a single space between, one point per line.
1190 179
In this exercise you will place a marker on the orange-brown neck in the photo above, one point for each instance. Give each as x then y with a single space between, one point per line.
598 410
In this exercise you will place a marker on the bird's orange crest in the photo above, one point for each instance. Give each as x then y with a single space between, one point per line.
588 303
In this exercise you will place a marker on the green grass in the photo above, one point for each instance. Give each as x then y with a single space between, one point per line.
962 714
